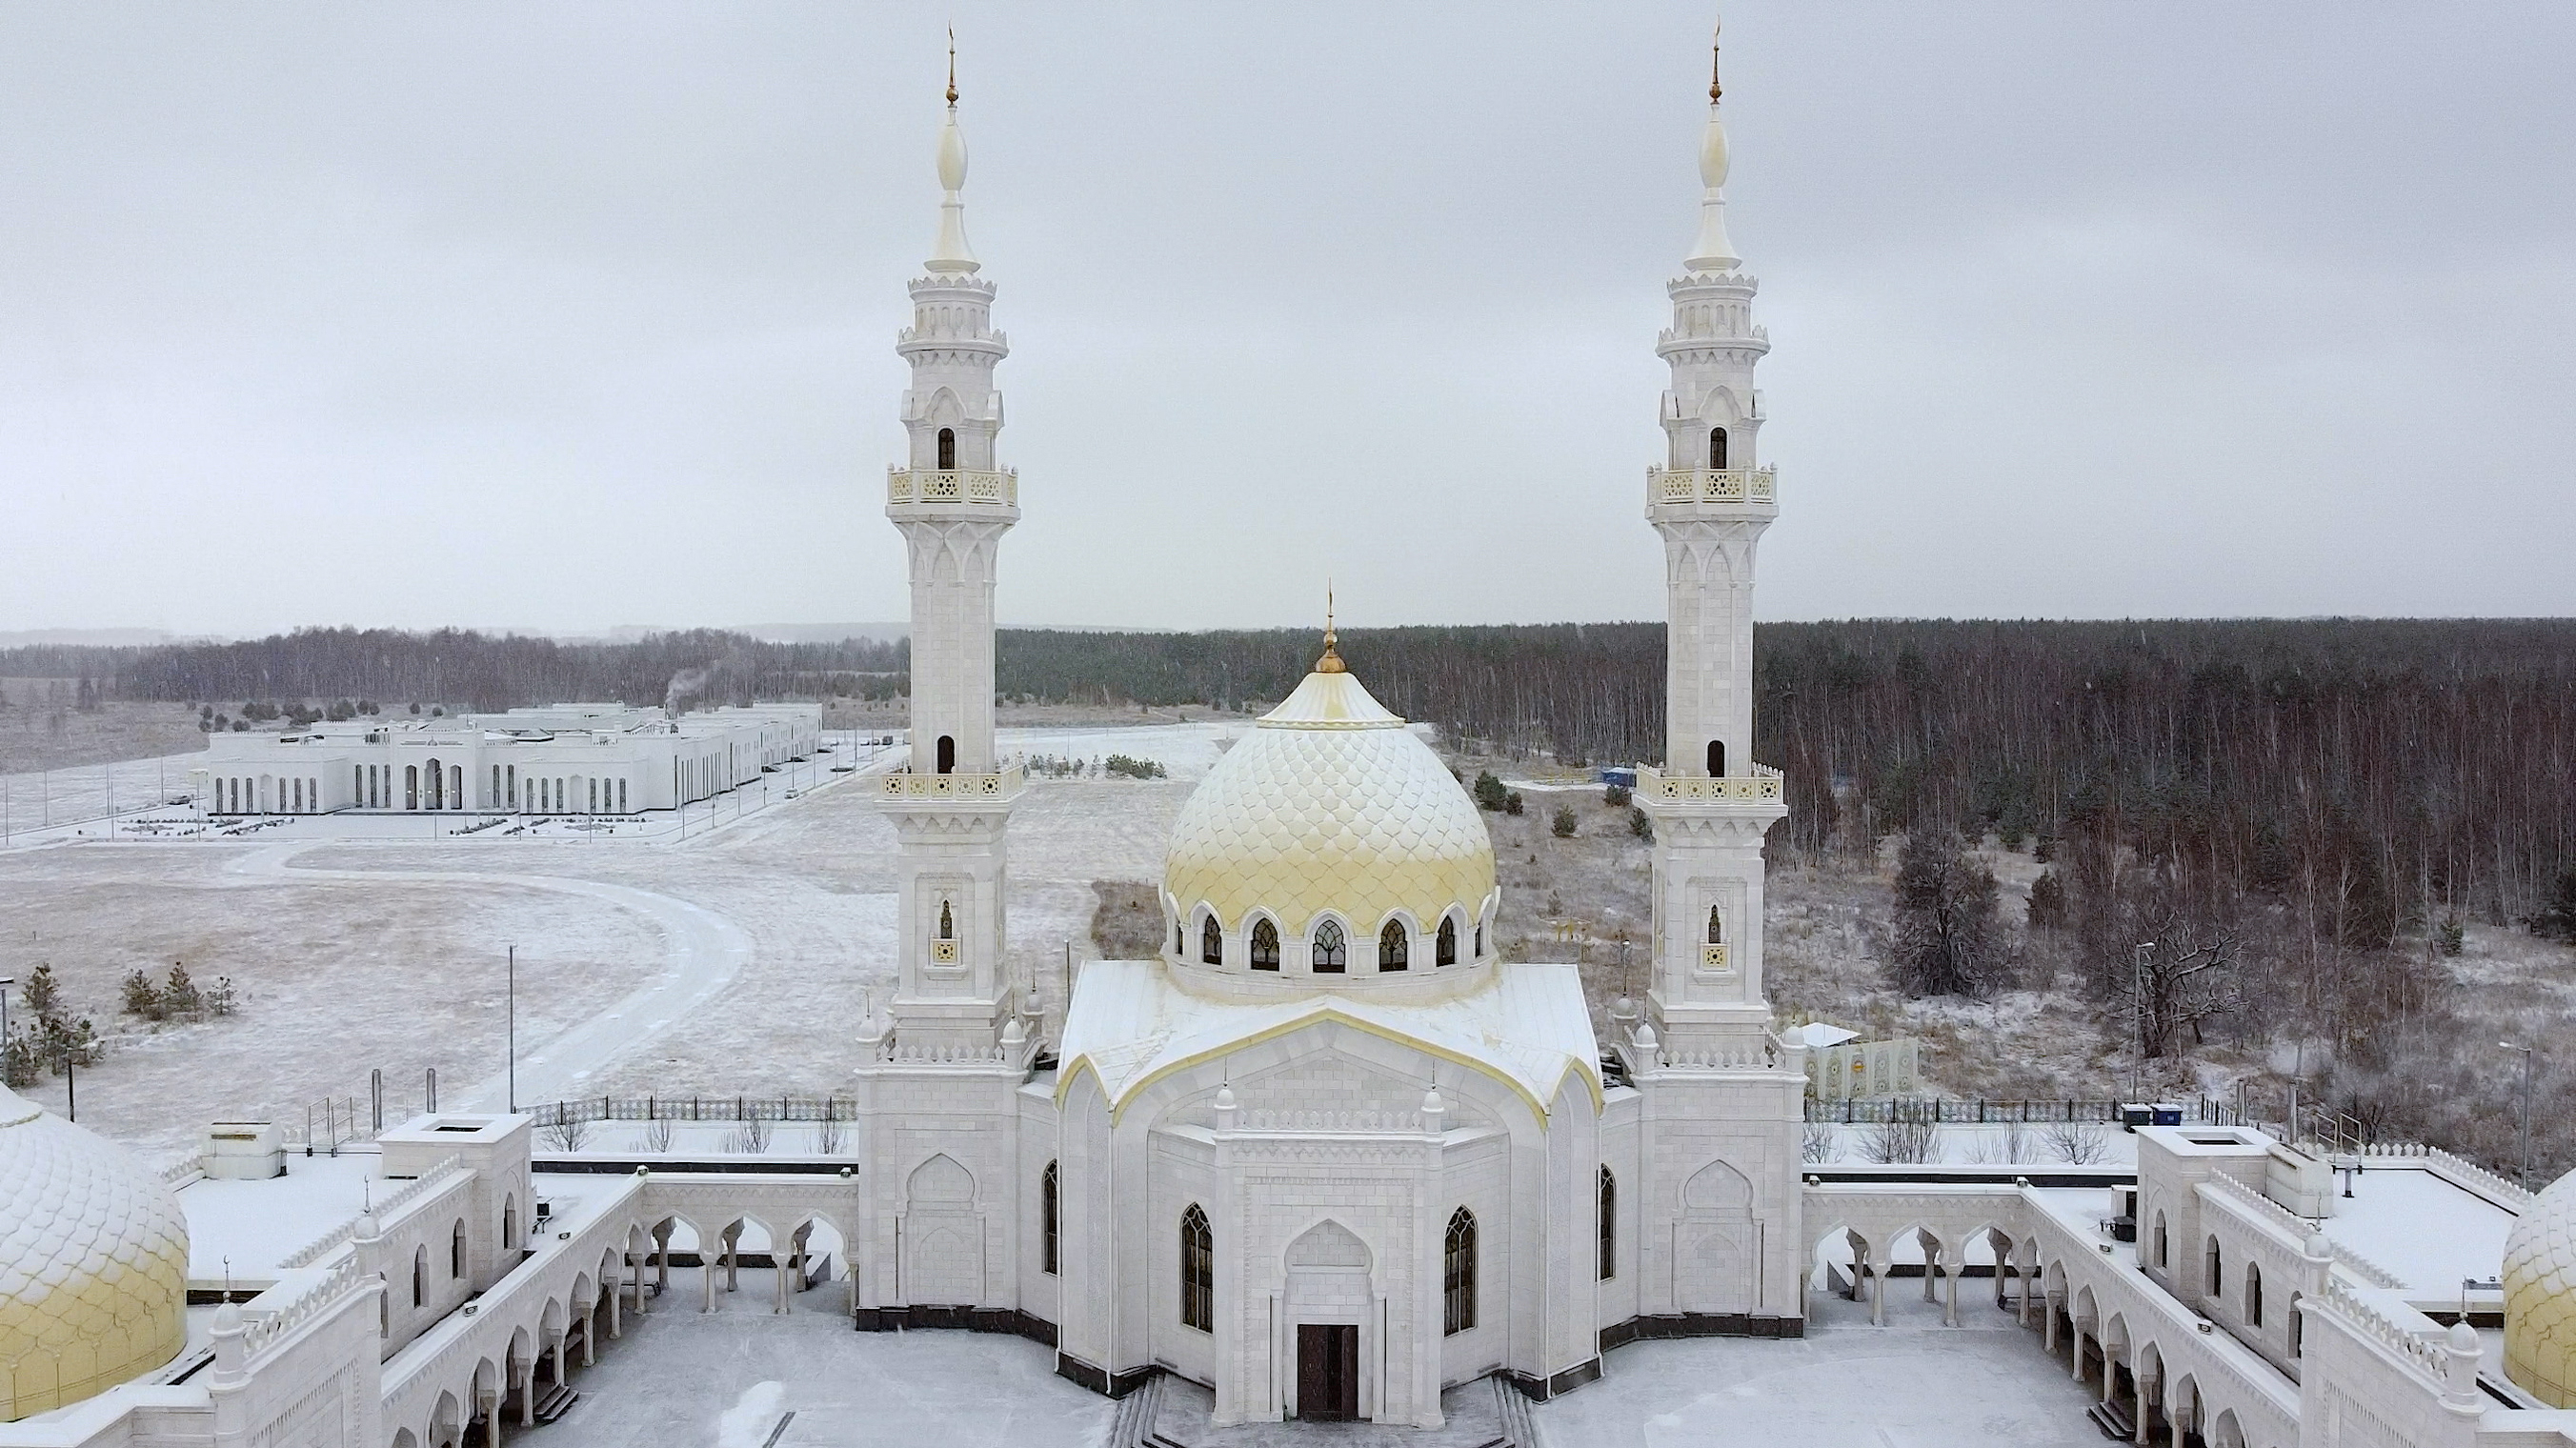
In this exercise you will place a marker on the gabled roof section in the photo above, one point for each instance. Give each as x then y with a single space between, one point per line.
1130 1026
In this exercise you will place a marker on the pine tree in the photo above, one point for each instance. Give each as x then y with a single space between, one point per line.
180 996
2557 919
2047 902
1947 939
141 999
42 995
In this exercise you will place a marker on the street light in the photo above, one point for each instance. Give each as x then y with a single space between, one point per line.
2526 1109
6 981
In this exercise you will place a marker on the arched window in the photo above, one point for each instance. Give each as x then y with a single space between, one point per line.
1458 1274
456 786
1717 447
1198 1271
947 449
1716 927
510 1239
437 786
2297 1337
1265 945
1444 948
456 1250
947 754
947 922
2163 1258
1717 759
1212 940
1329 951
2217 1277
2253 1295
420 1277
1394 947
1047 1200
411 786
1480 939
1609 1265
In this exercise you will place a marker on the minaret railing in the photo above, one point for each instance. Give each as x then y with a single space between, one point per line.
1760 785
953 485
1712 485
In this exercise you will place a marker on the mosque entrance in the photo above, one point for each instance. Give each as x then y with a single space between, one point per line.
1328 1371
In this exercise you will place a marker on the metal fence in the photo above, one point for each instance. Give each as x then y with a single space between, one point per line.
785 1107
1972 1111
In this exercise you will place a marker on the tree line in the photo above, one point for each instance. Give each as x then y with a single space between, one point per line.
2378 768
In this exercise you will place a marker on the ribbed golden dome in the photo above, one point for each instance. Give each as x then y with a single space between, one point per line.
1331 804
93 1263
2540 1297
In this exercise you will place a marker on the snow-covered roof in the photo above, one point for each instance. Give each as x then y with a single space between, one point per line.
1526 1025
1816 1035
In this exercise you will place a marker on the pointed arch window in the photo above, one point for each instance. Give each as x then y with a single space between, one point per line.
1716 927
1717 447
947 449
1394 947
2217 1271
1444 947
1049 1202
1717 759
456 1250
947 754
1198 1271
1265 945
2253 1295
1608 1266
1212 940
1330 953
419 1276
1458 1274
947 922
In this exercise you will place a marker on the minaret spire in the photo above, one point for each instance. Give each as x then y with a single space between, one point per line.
1331 662
949 253
1713 252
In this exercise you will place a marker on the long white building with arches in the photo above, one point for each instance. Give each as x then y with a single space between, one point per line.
563 759
1326 1153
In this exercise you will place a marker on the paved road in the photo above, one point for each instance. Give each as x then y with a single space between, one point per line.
704 951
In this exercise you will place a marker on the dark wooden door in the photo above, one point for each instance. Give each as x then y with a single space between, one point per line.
1328 1371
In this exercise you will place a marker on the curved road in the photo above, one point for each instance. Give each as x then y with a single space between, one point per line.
705 952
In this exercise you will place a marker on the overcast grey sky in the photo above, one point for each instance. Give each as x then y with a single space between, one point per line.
569 316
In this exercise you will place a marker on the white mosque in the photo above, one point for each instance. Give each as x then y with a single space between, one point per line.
1327 1156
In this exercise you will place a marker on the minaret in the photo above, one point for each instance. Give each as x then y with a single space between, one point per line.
953 503
1710 500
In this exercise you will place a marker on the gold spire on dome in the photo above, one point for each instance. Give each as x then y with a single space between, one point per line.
1331 662
952 67
1714 90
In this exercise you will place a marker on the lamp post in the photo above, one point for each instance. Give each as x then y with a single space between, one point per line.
2525 1179
6 981
514 1029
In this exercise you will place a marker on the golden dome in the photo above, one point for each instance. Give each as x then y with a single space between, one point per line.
93 1263
1331 806
2540 1297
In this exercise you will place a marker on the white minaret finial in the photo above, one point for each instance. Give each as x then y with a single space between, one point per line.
950 253
1713 252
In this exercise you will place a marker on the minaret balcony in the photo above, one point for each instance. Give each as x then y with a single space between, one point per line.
1666 487
1003 784
953 485
1762 786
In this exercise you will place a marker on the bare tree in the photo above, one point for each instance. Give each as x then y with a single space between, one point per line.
567 1133
657 1134
2077 1143
2182 972
1909 1135
1820 1143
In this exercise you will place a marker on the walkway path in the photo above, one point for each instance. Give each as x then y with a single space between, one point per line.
705 952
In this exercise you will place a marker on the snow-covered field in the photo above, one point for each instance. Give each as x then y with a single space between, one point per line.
732 962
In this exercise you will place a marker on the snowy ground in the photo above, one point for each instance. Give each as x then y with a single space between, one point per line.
732 962
1846 1384
728 1380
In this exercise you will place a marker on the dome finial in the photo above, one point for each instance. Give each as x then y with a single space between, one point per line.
1714 90
1331 662
952 67
1713 251
950 253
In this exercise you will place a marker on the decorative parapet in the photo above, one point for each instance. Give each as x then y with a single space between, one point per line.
317 1298
1763 784
411 1191
2296 1228
1759 1053
2421 1353
1378 1122
1711 485
903 784
953 485
2512 1197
